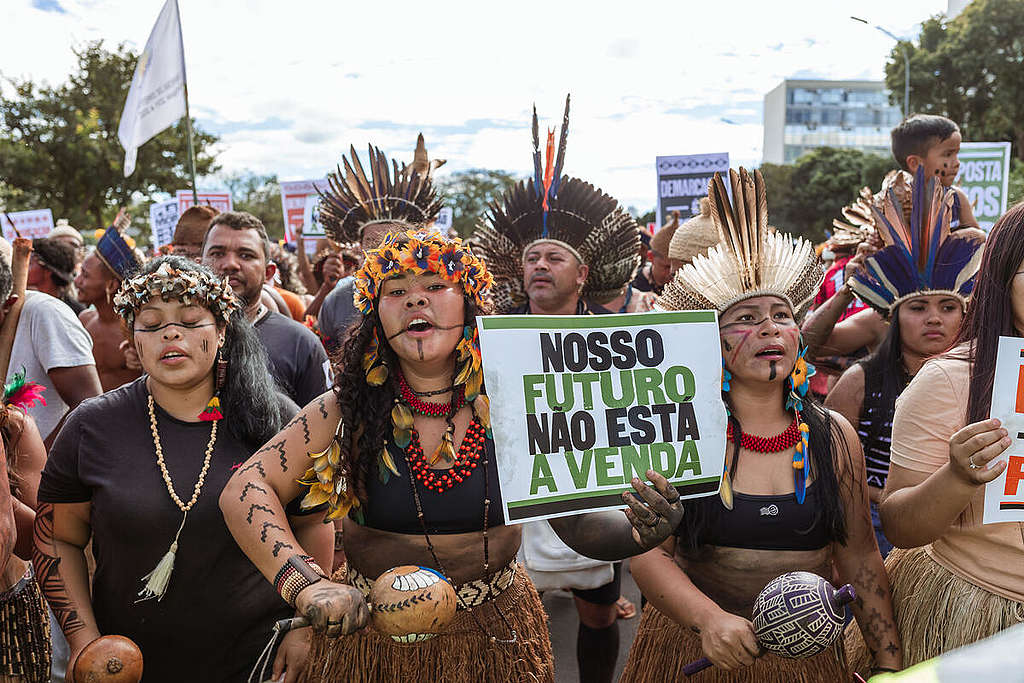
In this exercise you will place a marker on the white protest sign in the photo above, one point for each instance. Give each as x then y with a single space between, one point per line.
1004 495
221 201
581 404
163 218
984 176
30 224
445 219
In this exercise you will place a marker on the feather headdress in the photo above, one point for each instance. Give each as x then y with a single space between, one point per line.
354 199
569 212
921 256
858 223
749 260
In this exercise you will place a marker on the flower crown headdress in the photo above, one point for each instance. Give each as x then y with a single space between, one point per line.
167 282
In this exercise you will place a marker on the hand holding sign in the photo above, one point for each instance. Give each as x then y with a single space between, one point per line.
973 447
657 515
996 447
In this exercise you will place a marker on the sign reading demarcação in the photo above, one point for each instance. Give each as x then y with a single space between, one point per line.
582 404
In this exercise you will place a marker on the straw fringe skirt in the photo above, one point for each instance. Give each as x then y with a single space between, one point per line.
936 610
462 654
662 648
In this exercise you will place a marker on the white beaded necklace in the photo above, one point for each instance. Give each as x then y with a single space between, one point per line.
155 583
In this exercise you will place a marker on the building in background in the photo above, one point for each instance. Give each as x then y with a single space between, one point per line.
955 7
801 115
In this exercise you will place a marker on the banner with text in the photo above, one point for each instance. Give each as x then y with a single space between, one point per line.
582 404
683 180
299 201
984 176
163 218
30 224
1004 495
218 200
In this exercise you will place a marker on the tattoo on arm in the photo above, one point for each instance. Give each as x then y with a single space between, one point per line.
278 545
250 485
266 526
46 562
305 426
253 507
322 405
258 464
279 447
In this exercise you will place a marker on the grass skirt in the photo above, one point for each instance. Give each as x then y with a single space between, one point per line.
662 648
24 632
936 610
460 654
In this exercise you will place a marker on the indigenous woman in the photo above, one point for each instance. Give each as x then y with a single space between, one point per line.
138 470
924 309
959 580
401 450
793 497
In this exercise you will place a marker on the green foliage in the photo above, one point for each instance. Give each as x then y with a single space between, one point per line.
260 195
59 146
469 192
804 197
969 69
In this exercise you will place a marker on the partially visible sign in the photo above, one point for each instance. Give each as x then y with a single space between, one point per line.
163 218
683 180
984 176
444 221
299 199
1004 495
582 404
30 224
218 200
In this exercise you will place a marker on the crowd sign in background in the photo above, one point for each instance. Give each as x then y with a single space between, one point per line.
163 217
30 224
299 199
683 180
221 201
1004 495
582 404
984 176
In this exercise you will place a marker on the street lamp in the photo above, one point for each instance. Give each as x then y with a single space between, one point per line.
906 64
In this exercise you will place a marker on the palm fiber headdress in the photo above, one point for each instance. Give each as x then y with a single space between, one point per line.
858 223
921 256
749 260
355 199
566 211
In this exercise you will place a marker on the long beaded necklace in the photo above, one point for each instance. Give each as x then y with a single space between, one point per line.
155 583
770 444
437 561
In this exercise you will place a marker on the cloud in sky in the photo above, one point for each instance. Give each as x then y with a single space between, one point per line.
289 86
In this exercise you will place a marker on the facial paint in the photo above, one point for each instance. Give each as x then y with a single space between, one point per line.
772 371
419 347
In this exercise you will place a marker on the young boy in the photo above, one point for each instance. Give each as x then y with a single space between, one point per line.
933 141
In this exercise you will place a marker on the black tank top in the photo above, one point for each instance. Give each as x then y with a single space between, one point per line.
458 510
875 429
767 522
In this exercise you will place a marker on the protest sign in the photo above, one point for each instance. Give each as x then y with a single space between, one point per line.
984 176
445 219
218 200
581 404
30 224
298 201
1004 495
683 180
163 218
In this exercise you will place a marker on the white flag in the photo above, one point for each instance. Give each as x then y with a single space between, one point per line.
157 95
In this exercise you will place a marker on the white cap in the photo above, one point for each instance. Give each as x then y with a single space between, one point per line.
65 229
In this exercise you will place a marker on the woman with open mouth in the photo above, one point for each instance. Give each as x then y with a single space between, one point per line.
401 451
793 497
138 471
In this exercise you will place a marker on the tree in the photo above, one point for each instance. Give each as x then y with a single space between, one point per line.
804 198
59 146
260 195
968 69
469 192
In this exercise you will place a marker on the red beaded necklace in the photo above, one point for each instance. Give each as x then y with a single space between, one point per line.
427 408
466 460
770 444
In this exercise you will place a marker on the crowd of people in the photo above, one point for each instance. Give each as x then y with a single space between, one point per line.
208 442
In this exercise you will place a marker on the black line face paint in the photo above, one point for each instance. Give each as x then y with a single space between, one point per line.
206 346
419 348
727 345
183 326
773 371
436 327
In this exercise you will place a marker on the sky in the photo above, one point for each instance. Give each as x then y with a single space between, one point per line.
288 86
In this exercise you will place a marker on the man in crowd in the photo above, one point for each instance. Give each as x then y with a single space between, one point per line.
237 247
658 270
66 234
51 270
190 231
103 271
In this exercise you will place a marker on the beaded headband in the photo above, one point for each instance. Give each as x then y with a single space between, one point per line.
420 252
167 282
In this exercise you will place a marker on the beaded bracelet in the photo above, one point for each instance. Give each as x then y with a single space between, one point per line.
300 571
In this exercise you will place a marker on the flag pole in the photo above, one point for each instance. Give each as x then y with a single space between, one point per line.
191 152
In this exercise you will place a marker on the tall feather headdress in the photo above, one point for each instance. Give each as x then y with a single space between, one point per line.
749 261
570 212
921 256
354 199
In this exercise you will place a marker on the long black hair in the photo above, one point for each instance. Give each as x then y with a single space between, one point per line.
885 370
826 443
990 314
253 406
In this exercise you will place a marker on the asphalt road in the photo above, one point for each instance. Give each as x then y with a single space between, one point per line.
563 624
